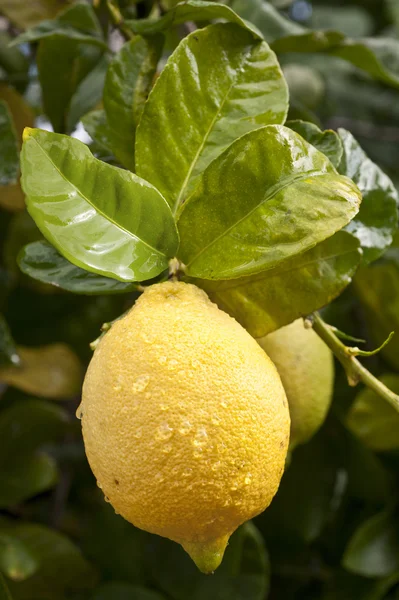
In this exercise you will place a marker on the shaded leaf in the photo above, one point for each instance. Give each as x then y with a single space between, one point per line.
96 125
78 22
52 371
328 142
112 222
220 83
41 261
263 302
373 419
346 586
8 350
63 66
377 218
20 481
4 591
26 14
9 159
125 591
127 85
243 574
12 60
373 550
226 232
15 559
266 18
189 10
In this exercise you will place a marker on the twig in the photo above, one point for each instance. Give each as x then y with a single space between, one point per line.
355 371
118 21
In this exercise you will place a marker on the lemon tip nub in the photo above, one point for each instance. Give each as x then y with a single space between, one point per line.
207 555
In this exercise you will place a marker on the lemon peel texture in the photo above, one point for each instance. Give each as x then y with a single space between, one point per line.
185 420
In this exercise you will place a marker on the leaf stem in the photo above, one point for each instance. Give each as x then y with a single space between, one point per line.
355 371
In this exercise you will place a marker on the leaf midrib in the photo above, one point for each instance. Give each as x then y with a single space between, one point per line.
106 217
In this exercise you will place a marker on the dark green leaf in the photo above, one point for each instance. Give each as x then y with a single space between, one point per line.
15 559
88 94
96 125
377 219
220 83
127 85
227 233
263 302
124 591
9 159
327 141
4 591
346 586
41 261
189 10
99 217
373 550
12 60
21 480
373 419
8 350
78 22
63 65
243 574
266 18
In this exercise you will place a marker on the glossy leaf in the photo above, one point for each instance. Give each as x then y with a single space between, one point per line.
9 159
52 371
373 550
62 567
377 218
15 560
101 218
5 593
220 83
125 591
20 481
328 142
41 261
263 303
227 233
243 574
373 420
8 350
189 10
63 66
78 22
127 85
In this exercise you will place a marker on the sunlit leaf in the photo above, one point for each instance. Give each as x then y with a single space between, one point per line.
377 218
41 261
327 141
220 83
112 222
9 159
297 200
52 371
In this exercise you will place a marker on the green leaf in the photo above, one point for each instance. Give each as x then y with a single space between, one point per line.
12 60
374 420
127 85
125 591
328 142
41 261
52 371
4 591
226 232
101 218
96 125
266 18
346 586
220 83
20 481
377 219
9 159
26 14
263 302
88 94
8 350
189 10
63 65
16 562
373 550
243 574
78 22
62 567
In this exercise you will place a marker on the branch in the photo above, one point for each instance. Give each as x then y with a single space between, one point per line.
353 368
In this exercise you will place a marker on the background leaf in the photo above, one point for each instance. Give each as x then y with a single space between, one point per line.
124 591
263 302
9 159
328 142
226 233
220 83
8 349
41 261
26 14
113 223
4 591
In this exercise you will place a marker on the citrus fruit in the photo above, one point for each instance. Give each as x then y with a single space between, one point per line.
185 420
306 368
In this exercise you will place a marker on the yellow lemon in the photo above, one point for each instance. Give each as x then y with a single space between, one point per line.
185 420
306 368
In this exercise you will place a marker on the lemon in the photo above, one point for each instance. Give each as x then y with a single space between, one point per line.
306 368
185 421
